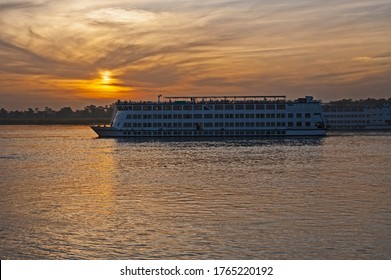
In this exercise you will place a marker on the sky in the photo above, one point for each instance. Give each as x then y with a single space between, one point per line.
80 52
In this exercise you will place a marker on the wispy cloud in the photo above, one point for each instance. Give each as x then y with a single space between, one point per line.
120 16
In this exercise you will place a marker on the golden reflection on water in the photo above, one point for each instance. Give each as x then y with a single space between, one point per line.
58 180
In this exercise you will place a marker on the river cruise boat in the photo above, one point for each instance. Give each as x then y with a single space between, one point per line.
216 116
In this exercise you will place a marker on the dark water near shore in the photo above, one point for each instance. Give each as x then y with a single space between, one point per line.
65 194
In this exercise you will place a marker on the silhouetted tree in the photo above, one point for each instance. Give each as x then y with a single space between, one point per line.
3 113
65 112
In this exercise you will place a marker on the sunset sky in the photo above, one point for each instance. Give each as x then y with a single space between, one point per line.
80 52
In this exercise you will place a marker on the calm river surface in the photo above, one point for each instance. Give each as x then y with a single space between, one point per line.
65 194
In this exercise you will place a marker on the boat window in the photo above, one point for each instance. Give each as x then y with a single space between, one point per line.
270 107
280 106
250 107
260 106
208 116
167 107
197 107
147 108
239 107
307 115
157 108
219 107
197 116
137 108
187 107
229 107
177 108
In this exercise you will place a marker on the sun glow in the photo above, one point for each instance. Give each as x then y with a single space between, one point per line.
103 84
106 77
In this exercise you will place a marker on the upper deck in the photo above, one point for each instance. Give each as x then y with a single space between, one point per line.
230 99
225 99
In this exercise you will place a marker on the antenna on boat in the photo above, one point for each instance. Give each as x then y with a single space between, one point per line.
158 98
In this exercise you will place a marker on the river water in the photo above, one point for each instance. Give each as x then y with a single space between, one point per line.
65 194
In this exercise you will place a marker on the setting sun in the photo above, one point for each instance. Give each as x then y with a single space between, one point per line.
106 77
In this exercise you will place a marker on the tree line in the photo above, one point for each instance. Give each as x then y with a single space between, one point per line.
65 115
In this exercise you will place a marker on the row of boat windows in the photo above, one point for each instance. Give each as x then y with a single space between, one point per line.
352 109
349 121
348 116
216 116
347 127
205 133
197 107
216 125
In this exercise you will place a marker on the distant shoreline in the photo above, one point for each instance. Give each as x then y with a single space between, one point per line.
70 121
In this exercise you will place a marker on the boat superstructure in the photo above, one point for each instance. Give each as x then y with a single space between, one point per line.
216 116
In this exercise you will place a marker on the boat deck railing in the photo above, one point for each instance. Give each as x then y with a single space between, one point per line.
249 99
178 100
